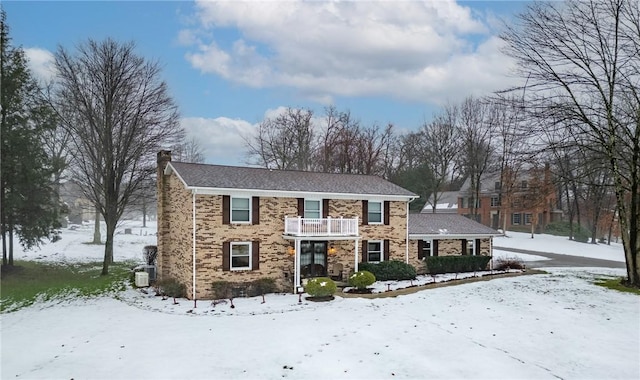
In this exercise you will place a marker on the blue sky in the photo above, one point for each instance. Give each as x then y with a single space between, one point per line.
230 64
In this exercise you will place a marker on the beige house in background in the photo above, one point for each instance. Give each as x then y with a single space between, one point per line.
240 224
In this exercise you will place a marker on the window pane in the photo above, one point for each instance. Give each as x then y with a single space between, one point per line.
311 209
240 257
374 251
240 203
375 212
374 256
240 262
239 209
240 215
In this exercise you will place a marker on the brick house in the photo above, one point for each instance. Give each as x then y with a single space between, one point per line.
240 224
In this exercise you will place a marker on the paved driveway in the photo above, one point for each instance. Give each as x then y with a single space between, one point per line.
563 260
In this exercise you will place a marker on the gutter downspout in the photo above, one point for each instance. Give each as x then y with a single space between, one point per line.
406 251
193 269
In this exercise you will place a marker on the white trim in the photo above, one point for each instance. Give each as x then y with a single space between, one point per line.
193 244
406 250
238 243
231 221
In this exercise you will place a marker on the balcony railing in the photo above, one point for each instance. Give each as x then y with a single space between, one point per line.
299 226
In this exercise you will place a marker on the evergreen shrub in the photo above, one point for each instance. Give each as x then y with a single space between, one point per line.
393 270
320 287
361 279
456 264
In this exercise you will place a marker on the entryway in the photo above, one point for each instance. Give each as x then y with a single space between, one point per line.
313 258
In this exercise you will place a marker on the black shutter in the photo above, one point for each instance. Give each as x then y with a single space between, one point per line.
464 246
255 210
477 247
226 209
386 250
365 249
434 248
301 207
226 253
386 212
255 255
365 212
421 249
325 208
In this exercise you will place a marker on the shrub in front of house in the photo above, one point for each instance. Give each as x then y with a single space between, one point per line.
320 287
456 264
262 286
393 270
361 279
170 287
504 263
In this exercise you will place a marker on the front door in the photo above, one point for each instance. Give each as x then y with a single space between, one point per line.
313 258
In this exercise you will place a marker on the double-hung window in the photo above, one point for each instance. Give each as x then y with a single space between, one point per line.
426 248
375 213
515 218
495 201
527 218
374 252
240 210
240 255
470 247
312 209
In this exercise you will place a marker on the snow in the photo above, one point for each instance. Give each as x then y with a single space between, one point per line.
498 254
559 245
528 327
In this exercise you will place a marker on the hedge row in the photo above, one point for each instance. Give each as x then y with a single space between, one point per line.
228 289
389 270
456 264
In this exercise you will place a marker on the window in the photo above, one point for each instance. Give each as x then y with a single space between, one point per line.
524 185
312 209
471 202
240 210
527 218
497 185
495 201
240 256
515 219
470 246
374 251
375 212
426 248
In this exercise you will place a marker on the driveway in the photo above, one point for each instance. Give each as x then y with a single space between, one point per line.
563 260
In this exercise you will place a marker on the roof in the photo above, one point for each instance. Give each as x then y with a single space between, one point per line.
447 203
205 176
453 225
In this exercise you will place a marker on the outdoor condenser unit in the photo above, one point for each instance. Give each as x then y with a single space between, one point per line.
142 279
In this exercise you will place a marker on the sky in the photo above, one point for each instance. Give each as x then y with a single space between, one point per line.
544 326
231 64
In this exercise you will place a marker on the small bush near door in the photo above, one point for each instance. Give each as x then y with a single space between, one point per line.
456 264
320 287
393 270
361 279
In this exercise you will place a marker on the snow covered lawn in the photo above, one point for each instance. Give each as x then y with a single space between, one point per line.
527 327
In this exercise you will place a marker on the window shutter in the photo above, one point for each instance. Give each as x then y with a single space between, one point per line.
255 210
226 209
386 249
301 207
386 212
226 253
476 247
365 212
464 246
434 247
420 249
325 208
255 255
365 249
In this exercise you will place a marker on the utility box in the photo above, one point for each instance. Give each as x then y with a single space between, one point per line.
142 279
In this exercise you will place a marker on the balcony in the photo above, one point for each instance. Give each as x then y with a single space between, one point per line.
299 226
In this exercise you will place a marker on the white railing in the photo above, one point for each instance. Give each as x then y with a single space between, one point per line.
299 226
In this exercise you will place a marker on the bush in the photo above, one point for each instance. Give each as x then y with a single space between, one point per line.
222 289
361 279
320 287
580 233
390 270
504 263
172 288
456 264
262 286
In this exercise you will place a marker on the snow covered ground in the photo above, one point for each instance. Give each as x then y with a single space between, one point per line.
527 327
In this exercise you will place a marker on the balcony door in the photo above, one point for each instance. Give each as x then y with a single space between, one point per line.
313 258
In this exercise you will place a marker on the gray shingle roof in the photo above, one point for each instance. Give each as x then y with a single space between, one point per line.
235 177
442 224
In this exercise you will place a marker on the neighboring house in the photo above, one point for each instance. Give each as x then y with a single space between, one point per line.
447 203
530 200
447 235
239 224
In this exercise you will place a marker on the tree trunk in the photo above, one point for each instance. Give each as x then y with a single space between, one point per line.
144 212
96 228
4 247
108 247
11 227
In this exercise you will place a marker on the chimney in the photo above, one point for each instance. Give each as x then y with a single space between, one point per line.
164 157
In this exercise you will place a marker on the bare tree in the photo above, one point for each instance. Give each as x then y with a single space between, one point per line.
583 64
122 114
188 151
283 142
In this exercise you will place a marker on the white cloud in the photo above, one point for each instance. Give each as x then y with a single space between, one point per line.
221 138
413 50
41 63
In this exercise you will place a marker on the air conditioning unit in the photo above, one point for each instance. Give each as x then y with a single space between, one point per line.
151 270
142 279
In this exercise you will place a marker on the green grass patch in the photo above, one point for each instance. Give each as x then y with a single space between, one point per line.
29 281
616 284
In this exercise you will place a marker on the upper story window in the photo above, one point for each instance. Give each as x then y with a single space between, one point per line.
312 209
375 212
497 185
374 252
495 201
240 210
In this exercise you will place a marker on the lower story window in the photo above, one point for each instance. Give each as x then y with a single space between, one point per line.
426 248
515 218
470 248
527 218
374 251
240 256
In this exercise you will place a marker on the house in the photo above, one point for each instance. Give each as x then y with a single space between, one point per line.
447 203
239 224
529 200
